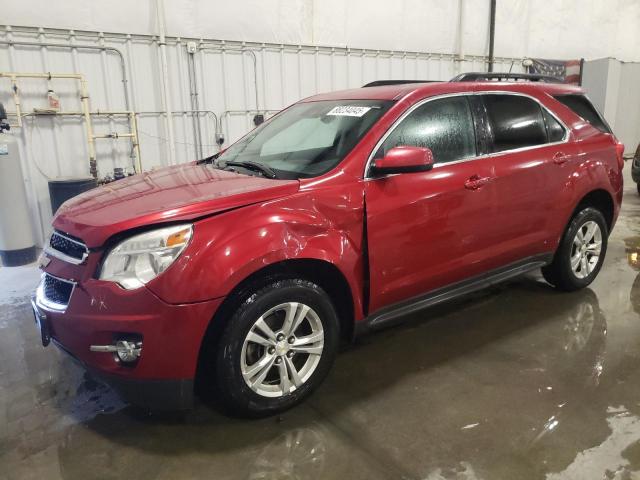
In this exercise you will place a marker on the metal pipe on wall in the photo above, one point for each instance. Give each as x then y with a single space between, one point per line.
134 135
242 50
72 46
107 97
85 113
16 101
55 126
229 47
84 98
40 44
492 34
193 95
196 113
162 43
460 39
260 46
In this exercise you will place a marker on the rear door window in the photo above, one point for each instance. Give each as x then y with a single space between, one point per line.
443 125
581 106
515 122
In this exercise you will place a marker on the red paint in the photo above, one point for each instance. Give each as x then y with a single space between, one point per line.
101 309
168 194
405 157
425 230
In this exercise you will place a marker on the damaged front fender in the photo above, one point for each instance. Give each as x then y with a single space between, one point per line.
325 224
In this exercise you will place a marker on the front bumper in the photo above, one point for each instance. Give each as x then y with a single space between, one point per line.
154 394
100 313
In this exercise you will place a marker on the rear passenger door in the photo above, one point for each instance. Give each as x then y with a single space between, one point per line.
529 152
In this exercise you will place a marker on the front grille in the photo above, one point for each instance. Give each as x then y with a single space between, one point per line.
75 250
56 291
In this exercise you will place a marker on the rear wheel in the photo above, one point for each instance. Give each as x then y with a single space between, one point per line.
278 346
581 252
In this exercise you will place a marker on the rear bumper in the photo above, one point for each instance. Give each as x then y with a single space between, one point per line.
100 313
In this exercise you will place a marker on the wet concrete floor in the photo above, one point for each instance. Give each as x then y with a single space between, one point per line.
519 382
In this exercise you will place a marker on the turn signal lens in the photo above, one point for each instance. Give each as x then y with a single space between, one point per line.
179 238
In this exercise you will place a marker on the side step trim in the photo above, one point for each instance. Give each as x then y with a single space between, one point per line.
393 314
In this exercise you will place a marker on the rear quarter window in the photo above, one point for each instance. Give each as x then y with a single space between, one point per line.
555 130
581 106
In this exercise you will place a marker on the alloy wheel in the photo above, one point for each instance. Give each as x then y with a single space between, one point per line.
586 248
282 349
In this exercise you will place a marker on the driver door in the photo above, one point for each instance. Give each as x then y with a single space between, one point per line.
430 229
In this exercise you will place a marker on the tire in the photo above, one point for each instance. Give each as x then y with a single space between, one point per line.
638 187
246 349
561 273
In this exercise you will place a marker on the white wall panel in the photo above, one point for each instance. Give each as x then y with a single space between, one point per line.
613 87
627 121
534 28
594 81
231 90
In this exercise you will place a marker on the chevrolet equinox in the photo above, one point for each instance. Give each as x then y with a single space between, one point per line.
339 215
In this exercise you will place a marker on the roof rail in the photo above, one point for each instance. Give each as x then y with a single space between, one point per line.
482 76
379 83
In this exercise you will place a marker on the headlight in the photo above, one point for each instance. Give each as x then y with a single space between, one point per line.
141 258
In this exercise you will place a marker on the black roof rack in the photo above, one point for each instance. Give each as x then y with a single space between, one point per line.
482 76
379 83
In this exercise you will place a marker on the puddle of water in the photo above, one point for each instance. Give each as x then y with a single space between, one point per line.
607 460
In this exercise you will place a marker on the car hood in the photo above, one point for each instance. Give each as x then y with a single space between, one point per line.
170 194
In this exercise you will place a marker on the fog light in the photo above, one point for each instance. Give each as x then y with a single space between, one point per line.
126 351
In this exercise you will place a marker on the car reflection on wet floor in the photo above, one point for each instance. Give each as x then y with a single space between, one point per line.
518 381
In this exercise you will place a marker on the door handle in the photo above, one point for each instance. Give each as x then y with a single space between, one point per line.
560 158
475 182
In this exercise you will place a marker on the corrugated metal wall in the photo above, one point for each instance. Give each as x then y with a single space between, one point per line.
233 82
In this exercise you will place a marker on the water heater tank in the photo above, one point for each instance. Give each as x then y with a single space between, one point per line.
17 246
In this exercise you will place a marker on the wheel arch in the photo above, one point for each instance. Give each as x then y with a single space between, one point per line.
323 273
601 200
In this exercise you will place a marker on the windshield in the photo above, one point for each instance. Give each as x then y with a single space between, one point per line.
307 139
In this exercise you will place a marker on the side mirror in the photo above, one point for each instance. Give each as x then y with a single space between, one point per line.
404 160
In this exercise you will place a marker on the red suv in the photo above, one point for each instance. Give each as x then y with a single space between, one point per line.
341 214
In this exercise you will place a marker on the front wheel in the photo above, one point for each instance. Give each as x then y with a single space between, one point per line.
581 252
277 347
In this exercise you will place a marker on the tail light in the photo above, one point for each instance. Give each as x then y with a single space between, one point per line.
620 154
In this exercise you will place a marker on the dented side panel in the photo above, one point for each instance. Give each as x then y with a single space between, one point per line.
324 223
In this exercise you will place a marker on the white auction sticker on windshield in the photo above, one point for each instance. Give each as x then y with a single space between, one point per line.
349 110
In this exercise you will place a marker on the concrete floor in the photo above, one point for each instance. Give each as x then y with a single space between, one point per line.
519 382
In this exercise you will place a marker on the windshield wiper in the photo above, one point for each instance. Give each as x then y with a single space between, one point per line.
209 159
265 170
